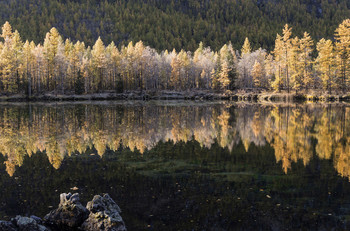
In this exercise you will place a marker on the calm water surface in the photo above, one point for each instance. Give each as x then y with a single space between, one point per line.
181 165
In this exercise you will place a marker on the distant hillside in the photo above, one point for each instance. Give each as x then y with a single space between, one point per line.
165 24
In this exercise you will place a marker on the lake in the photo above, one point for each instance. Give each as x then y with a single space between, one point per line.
181 165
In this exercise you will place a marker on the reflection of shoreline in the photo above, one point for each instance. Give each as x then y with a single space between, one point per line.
295 132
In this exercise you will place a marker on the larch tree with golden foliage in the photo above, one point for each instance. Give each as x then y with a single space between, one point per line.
245 51
98 64
296 65
325 64
257 74
277 83
51 43
6 31
286 47
67 67
342 45
28 61
8 67
306 48
246 48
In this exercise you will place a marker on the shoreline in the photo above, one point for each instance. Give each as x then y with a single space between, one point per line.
180 95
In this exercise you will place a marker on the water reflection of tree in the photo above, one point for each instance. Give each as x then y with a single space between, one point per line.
295 132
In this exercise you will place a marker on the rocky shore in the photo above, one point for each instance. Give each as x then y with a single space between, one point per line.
102 213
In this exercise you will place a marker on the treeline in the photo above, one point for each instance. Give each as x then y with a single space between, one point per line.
64 67
179 24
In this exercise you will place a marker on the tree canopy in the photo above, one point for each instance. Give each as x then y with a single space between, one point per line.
65 67
169 24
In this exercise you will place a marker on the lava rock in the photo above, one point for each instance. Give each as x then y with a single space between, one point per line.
104 215
70 212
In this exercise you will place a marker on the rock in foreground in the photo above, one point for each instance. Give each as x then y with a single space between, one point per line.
70 212
20 223
102 213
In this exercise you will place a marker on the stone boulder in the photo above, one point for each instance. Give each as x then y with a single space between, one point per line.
7 226
70 212
29 224
104 215
20 223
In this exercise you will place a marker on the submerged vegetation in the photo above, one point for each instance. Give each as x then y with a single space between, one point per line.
64 67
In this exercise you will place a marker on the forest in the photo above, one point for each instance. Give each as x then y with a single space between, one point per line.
179 24
295 64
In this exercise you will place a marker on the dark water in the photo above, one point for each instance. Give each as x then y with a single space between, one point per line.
182 165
